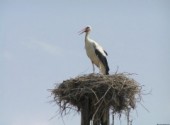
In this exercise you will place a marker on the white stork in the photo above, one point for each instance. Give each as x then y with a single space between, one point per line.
95 52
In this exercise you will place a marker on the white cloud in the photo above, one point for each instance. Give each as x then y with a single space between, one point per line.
7 55
44 46
49 48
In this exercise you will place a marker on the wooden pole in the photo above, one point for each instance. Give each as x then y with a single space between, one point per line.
113 120
105 118
131 122
128 115
85 119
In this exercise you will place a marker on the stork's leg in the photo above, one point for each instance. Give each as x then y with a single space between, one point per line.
93 67
100 69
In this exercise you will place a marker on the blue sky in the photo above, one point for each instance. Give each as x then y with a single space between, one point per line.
40 46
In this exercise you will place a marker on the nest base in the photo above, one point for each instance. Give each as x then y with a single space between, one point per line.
94 95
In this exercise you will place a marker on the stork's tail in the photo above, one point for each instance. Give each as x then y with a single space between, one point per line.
107 72
107 68
103 60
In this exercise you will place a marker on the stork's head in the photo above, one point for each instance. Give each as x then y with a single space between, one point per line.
85 30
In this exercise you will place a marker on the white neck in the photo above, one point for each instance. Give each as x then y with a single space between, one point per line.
87 36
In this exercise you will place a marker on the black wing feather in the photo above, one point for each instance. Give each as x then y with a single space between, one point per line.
105 52
103 60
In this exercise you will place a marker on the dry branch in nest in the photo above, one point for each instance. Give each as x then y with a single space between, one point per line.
117 92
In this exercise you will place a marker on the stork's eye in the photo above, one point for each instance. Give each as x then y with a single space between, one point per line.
87 28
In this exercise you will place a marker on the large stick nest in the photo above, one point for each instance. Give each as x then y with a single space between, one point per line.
119 92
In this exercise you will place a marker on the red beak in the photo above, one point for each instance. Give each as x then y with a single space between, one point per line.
82 31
